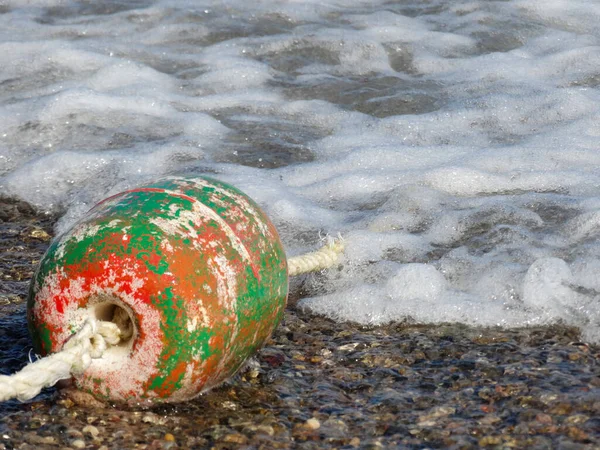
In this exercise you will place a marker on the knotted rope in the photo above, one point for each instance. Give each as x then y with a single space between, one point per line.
92 340
76 355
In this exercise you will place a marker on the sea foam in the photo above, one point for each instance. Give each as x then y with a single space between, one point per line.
454 145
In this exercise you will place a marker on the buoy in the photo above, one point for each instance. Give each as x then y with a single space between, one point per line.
190 270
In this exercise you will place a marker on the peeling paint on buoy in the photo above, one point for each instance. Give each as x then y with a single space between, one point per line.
191 270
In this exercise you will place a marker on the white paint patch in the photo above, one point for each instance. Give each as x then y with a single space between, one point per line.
166 246
192 324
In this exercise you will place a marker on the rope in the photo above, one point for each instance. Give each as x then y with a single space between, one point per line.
76 356
323 258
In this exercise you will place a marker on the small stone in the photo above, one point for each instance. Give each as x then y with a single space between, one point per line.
265 429
454 425
228 404
562 409
576 419
67 402
253 373
273 357
489 419
169 437
543 418
490 440
548 398
235 438
78 443
348 347
312 424
427 423
577 434
488 408
150 418
40 234
91 430
325 353
441 411
354 442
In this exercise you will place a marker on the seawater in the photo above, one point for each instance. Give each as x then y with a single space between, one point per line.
454 145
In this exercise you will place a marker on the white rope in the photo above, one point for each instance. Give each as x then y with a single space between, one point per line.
76 356
323 258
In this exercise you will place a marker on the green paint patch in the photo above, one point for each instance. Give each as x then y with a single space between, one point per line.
180 344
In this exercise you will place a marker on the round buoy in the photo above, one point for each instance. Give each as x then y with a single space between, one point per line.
190 269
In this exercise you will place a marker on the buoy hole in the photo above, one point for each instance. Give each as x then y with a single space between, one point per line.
112 312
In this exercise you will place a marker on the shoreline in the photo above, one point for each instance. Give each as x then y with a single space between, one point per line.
322 384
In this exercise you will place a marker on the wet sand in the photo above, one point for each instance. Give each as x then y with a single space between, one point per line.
320 384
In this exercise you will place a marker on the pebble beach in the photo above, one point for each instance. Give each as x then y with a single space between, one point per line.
319 384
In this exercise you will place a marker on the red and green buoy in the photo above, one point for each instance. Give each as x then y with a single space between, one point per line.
190 265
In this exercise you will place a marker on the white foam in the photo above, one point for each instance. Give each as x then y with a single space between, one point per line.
455 146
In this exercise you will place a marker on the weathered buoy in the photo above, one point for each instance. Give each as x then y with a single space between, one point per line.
189 268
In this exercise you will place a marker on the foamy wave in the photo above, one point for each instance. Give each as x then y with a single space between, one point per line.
455 145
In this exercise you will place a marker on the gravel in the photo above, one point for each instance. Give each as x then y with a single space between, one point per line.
323 385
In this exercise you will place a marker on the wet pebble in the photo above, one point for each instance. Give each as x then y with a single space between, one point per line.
78 443
312 424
